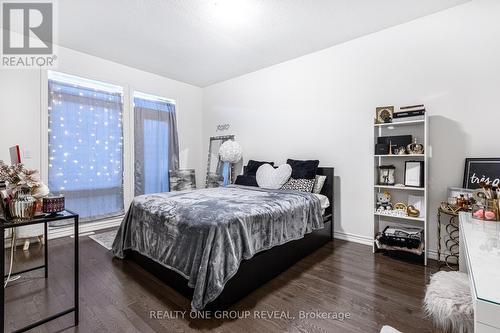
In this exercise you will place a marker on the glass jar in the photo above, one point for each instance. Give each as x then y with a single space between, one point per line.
491 212
23 206
488 211
386 175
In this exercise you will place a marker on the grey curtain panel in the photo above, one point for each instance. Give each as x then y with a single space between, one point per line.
156 145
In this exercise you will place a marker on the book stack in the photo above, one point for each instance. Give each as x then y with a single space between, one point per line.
409 113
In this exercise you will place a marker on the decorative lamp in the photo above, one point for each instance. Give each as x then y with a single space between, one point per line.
229 152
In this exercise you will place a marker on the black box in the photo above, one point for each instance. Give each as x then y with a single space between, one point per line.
410 238
409 113
397 140
381 149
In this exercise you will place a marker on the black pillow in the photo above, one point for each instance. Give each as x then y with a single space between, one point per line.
252 166
303 169
246 180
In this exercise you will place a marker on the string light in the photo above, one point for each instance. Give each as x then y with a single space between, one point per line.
78 160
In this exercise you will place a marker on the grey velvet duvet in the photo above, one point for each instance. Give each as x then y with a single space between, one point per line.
205 234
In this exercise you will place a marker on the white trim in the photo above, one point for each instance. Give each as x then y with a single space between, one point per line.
84 82
44 126
85 227
432 254
129 145
401 123
150 97
353 238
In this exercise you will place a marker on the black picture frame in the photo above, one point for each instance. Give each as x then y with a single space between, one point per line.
420 173
484 169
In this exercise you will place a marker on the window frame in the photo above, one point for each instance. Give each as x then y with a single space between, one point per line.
44 140
128 134
134 93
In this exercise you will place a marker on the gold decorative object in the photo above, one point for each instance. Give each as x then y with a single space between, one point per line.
401 206
450 208
384 114
412 211
415 148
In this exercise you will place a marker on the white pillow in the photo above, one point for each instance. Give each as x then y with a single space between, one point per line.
269 177
318 184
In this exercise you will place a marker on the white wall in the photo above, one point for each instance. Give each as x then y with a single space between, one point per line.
322 105
22 98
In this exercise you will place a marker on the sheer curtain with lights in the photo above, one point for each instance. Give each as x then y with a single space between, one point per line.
155 143
86 146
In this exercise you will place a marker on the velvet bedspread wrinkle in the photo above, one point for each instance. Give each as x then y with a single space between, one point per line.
204 234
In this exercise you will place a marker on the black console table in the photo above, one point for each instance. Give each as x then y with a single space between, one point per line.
8 224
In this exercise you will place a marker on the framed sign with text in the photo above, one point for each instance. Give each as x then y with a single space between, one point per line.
479 170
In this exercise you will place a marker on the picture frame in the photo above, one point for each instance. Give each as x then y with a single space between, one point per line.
414 174
386 175
481 170
181 180
384 114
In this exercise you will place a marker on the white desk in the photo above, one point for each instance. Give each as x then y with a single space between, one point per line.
480 258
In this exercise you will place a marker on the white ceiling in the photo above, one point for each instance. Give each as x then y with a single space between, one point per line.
206 41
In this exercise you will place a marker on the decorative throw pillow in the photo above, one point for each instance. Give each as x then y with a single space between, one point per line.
318 184
303 169
246 180
303 185
252 166
271 178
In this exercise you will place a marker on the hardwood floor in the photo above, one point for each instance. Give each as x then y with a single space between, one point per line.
118 296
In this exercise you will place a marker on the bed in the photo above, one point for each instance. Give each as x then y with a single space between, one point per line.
215 246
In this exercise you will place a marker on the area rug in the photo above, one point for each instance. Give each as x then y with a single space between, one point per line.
105 239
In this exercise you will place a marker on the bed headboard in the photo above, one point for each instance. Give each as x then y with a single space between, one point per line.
327 189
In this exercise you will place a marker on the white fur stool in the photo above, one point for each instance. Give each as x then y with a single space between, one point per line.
448 302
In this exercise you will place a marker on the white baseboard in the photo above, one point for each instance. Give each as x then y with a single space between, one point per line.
353 238
115 222
431 254
84 228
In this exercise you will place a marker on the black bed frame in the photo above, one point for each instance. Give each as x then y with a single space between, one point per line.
261 268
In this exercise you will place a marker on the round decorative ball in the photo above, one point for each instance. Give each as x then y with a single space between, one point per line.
230 151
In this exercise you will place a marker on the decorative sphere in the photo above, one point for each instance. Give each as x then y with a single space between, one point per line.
230 151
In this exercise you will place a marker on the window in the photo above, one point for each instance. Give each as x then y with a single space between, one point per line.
155 144
86 145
